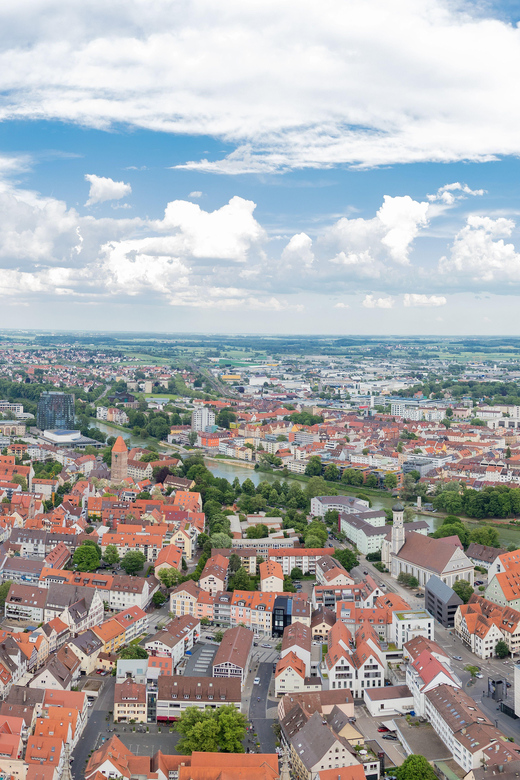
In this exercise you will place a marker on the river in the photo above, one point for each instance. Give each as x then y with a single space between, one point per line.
229 470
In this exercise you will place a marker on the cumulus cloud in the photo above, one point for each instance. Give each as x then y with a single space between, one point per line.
102 188
370 302
299 251
417 89
195 194
341 305
363 246
415 299
480 254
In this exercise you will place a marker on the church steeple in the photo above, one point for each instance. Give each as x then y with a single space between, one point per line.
398 533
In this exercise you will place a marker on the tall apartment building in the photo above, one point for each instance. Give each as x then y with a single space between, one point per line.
202 418
55 411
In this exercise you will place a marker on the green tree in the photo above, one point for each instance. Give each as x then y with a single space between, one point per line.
222 729
86 558
508 453
133 562
219 636
415 767
248 487
158 598
312 542
501 649
234 563
133 653
316 486
473 670
296 573
220 540
347 558
240 580
19 479
390 481
4 590
331 473
259 531
192 437
371 481
313 468
485 535
169 577
111 555
463 589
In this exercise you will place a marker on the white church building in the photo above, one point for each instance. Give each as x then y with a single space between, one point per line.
421 556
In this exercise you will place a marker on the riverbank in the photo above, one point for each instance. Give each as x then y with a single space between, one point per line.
231 461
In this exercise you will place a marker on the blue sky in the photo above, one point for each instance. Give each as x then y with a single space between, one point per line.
273 167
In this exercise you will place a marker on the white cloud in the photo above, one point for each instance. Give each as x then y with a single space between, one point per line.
299 251
361 83
450 193
341 305
377 303
401 218
480 254
195 194
415 299
102 188
363 245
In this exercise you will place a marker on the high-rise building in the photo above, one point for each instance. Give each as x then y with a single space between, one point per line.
202 418
119 467
55 411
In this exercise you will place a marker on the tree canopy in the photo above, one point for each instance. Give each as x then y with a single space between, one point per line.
86 557
415 767
211 731
133 562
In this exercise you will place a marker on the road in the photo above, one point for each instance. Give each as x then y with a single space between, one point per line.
95 729
259 706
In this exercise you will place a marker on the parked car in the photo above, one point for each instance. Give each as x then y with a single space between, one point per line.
390 736
457 658
365 572
420 595
256 681
478 582
508 684
383 729
266 645
480 676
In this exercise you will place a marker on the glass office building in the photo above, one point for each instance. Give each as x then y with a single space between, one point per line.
55 410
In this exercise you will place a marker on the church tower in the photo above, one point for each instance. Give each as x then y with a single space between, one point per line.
119 468
398 533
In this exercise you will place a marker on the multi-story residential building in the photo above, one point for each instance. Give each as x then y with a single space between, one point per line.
411 623
271 577
301 558
466 731
480 624
175 640
202 418
130 702
320 505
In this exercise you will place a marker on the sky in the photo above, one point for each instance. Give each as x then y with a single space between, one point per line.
260 167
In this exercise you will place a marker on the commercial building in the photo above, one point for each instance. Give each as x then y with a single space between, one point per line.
55 410
441 601
234 654
176 693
